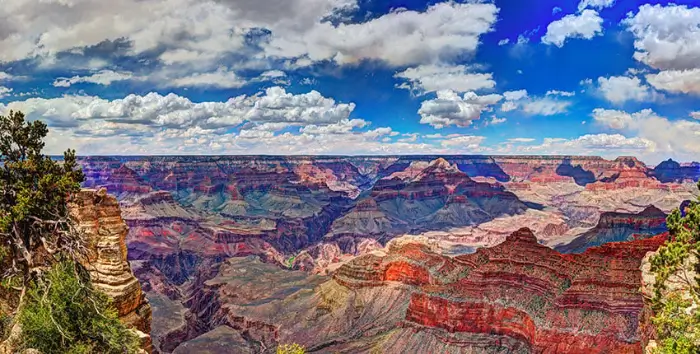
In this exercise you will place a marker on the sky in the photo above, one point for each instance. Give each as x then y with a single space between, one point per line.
356 77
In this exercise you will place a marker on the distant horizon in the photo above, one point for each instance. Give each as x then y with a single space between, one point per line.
433 156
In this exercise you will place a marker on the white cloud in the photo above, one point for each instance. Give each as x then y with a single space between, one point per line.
5 91
104 77
508 106
560 93
607 145
156 124
177 112
521 140
5 76
221 78
666 37
432 78
444 31
451 109
586 25
677 81
695 115
619 89
596 4
678 137
504 41
556 10
495 120
189 30
515 95
464 141
545 106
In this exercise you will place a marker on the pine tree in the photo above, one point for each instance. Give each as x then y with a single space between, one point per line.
678 329
34 189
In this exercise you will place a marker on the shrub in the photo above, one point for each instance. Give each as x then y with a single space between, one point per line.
63 313
678 330
292 348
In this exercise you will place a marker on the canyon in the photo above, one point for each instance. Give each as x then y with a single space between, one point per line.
392 254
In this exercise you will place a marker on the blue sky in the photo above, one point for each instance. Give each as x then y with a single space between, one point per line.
598 77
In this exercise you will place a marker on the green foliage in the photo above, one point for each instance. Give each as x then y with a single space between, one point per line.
33 193
40 250
678 331
290 261
292 348
65 314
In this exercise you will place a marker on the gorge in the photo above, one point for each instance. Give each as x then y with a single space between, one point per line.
392 254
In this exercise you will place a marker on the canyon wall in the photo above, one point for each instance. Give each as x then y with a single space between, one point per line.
99 218
392 253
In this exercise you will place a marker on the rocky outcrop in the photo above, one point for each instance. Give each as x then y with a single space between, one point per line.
99 218
617 227
672 171
538 299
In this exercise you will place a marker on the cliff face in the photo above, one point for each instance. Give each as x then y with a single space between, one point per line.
617 227
519 294
99 217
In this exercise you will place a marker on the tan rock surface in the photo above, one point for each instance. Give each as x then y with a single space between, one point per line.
99 217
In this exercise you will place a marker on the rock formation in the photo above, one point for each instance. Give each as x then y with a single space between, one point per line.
616 227
191 218
99 218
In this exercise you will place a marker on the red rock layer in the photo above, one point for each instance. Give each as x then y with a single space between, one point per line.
554 303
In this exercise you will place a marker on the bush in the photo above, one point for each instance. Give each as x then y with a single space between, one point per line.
292 348
678 331
63 313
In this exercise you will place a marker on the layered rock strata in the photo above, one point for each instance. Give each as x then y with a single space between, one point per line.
99 218
538 299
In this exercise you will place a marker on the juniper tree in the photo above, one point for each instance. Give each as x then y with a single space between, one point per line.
34 189
62 312
678 329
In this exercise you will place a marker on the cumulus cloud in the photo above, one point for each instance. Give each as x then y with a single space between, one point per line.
451 109
432 78
545 106
607 145
587 24
666 37
444 31
678 137
177 112
620 89
188 30
677 81
5 91
5 76
561 93
221 78
596 4
257 124
104 77
495 120
695 115
464 141
515 95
